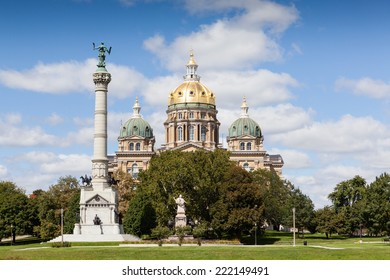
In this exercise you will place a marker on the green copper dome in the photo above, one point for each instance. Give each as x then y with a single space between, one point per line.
136 125
244 125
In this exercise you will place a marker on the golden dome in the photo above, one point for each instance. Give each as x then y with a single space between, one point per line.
191 90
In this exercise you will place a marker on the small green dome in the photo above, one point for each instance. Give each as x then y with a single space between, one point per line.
138 127
244 126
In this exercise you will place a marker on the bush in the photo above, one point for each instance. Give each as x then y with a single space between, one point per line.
61 244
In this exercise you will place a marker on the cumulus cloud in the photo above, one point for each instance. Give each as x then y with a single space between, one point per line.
55 78
38 170
365 86
293 159
3 171
253 28
347 135
54 119
11 128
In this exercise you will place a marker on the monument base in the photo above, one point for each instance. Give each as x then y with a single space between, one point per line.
98 229
96 238
180 220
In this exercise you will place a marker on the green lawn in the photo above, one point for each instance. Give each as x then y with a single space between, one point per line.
275 246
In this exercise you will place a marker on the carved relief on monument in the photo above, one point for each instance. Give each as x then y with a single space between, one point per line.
99 170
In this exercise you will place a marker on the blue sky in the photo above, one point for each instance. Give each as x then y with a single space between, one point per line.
315 75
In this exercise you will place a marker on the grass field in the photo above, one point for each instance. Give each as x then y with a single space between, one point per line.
273 246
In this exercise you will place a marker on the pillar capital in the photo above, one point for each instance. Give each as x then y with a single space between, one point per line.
101 78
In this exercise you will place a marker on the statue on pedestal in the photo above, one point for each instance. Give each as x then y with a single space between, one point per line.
102 54
180 219
180 202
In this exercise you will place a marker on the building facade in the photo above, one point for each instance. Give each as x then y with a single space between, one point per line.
191 124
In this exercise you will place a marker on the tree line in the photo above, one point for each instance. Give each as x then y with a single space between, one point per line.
223 201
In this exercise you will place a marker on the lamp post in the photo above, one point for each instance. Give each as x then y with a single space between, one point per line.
62 226
255 233
12 233
293 210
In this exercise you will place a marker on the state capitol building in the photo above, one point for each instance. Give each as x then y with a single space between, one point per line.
192 124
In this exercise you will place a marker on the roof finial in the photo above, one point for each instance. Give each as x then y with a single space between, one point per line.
244 109
136 109
191 68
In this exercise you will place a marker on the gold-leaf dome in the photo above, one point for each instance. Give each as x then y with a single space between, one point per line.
191 91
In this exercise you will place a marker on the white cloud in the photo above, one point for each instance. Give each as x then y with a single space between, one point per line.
67 164
239 42
348 135
14 133
365 86
293 159
54 119
3 171
55 78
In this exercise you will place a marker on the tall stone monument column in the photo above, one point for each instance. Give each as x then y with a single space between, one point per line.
98 200
101 78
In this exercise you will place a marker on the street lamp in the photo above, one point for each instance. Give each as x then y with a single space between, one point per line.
293 210
255 233
62 226
12 233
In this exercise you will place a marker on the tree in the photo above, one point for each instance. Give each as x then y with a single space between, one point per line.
15 215
327 221
65 194
304 210
126 190
140 217
347 199
376 212
240 205
276 195
194 175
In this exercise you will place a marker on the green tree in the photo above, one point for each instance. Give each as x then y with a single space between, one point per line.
65 194
126 190
15 216
276 195
140 217
304 210
240 205
376 208
194 175
347 199
327 221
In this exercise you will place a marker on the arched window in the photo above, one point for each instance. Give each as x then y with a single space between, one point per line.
134 171
131 147
138 147
179 133
249 146
180 116
203 134
191 115
192 132
246 166
242 146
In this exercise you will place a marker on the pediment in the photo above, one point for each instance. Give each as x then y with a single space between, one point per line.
189 147
97 199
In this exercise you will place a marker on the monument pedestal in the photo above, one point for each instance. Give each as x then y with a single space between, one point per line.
180 220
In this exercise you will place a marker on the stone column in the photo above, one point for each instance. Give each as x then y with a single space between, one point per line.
100 161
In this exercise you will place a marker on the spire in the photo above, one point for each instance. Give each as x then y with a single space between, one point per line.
191 69
136 109
244 109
